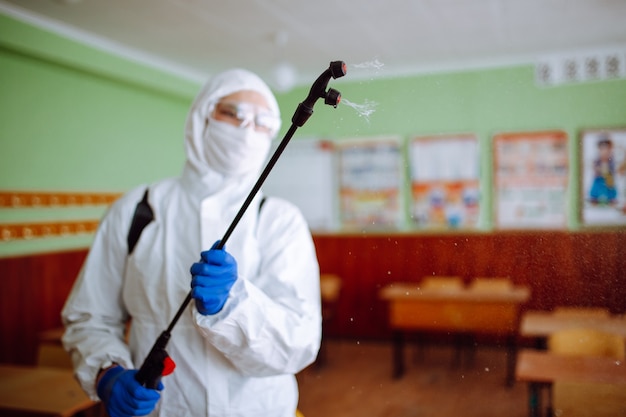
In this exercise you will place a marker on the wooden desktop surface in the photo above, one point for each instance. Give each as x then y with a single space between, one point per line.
546 367
412 308
543 323
52 335
41 391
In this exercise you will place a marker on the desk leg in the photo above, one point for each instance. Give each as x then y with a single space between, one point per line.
511 360
541 343
534 399
398 354
549 410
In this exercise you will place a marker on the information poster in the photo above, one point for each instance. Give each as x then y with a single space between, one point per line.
531 179
370 181
445 184
603 177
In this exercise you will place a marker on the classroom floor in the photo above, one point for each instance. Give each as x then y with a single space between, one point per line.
356 381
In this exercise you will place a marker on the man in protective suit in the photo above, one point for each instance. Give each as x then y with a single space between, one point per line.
254 320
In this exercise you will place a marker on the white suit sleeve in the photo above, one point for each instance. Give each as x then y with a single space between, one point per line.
271 324
94 315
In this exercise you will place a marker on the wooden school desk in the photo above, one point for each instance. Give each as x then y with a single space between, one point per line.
40 391
541 368
539 325
412 309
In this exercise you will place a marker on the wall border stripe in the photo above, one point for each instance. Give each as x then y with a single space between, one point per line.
23 199
27 231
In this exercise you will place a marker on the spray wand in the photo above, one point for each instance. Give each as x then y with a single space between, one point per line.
158 363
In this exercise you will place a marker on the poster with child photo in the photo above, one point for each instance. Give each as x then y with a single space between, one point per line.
603 177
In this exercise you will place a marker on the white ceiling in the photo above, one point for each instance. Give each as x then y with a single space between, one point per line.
196 38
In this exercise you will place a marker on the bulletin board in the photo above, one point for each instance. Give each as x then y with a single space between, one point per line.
531 179
603 177
370 182
305 175
445 186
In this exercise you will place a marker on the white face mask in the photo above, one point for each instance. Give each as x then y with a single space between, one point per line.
232 150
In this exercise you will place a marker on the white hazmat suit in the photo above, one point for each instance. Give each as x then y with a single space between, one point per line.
240 361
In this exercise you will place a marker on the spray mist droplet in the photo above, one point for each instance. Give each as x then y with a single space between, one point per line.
364 110
375 64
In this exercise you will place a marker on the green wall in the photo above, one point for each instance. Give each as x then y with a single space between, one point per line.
76 118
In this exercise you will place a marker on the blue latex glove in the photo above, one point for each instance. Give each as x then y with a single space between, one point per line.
212 279
123 396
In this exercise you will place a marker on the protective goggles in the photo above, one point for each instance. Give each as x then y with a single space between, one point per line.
242 114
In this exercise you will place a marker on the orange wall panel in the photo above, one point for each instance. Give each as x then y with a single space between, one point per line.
33 290
560 268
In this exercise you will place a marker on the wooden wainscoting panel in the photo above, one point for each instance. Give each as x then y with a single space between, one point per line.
33 290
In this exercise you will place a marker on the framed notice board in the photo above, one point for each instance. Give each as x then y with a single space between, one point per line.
531 179
370 182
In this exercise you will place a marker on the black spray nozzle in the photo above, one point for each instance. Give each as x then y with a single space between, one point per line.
331 97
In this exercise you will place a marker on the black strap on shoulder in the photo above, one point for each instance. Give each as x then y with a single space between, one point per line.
142 217
263 199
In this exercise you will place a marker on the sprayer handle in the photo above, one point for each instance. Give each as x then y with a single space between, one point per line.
157 364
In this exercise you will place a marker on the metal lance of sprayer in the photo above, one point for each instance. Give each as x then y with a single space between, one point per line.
158 363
